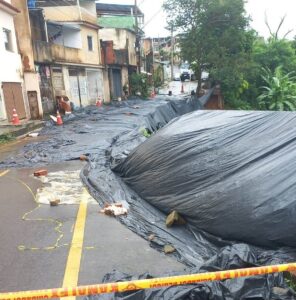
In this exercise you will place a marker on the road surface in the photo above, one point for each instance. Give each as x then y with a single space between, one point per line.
37 247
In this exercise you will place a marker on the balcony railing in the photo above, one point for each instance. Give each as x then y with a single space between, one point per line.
48 52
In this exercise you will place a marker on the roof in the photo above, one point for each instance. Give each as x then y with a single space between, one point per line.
117 9
120 22
8 7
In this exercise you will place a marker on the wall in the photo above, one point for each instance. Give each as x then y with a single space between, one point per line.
131 48
88 11
23 34
69 13
48 52
10 62
70 37
107 96
62 13
90 57
120 37
124 76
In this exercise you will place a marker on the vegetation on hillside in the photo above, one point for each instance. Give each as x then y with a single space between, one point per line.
254 73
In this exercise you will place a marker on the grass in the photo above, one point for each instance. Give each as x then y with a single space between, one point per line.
290 280
145 132
6 138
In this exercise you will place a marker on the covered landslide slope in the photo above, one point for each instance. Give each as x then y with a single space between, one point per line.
108 135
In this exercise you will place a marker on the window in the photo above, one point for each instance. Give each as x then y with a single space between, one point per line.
90 43
7 39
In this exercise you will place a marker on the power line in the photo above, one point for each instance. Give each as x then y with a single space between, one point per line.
151 19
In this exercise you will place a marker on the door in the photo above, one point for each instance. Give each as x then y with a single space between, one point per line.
95 85
33 103
46 90
13 98
117 85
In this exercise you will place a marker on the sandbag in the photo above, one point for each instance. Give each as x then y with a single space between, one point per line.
229 173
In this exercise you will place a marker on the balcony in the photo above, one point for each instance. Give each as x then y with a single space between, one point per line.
48 53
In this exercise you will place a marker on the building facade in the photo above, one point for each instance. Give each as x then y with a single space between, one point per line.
30 76
120 39
12 91
67 52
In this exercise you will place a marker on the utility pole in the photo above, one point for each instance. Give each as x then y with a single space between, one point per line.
79 8
138 50
172 52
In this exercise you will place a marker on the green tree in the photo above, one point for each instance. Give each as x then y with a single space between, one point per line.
215 38
274 53
279 92
139 84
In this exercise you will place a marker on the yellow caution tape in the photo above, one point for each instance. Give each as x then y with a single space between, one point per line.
145 283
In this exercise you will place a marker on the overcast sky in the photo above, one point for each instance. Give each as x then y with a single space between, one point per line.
275 9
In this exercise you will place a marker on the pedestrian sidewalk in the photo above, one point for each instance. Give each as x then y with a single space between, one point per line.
25 127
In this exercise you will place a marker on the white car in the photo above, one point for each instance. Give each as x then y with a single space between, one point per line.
177 76
186 72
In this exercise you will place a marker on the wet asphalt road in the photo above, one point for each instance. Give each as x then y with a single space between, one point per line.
107 244
176 87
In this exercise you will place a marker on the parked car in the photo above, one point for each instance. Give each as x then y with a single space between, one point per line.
177 76
186 72
185 75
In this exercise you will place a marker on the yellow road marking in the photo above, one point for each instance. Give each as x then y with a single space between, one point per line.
4 173
74 257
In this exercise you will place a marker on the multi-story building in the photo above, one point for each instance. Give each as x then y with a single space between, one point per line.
67 52
120 38
30 76
12 90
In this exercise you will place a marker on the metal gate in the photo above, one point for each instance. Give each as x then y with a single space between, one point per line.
13 98
117 85
78 85
95 85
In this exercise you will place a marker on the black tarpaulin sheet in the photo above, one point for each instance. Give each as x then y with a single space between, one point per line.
229 173
107 135
165 167
264 287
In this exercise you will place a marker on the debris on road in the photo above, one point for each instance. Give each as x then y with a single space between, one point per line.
65 186
168 249
33 134
115 209
174 218
55 202
110 138
151 237
39 173
83 157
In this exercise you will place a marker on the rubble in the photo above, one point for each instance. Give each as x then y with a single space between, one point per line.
39 173
115 209
168 249
55 202
174 218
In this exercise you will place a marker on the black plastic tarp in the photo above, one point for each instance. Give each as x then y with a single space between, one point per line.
229 173
265 287
109 134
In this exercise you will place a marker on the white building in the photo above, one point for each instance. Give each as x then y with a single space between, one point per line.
11 82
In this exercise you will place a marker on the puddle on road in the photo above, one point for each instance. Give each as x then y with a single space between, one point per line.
64 186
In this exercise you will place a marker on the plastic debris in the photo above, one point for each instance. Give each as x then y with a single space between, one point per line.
115 209
39 173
